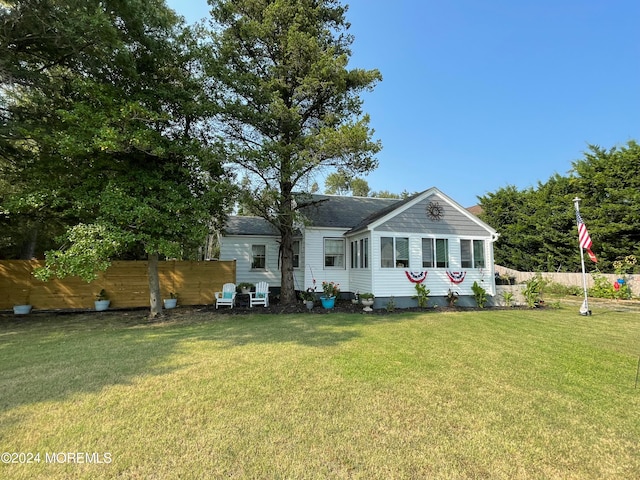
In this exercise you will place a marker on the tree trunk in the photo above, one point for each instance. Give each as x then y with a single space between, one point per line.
287 287
29 247
154 286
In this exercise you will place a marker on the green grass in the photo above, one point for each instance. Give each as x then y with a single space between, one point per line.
479 394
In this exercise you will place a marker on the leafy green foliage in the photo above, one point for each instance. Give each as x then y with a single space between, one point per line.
480 294
108 133
422 295
289 107
533 291
538 226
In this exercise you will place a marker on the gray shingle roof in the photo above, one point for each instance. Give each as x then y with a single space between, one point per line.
344 212
323 211
248 226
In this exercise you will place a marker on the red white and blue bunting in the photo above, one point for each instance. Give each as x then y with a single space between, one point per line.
456 277
416 277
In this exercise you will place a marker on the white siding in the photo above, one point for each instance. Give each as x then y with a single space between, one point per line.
394 282
360 279
239 248
314 259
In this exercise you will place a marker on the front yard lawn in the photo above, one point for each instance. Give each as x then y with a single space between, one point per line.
480 394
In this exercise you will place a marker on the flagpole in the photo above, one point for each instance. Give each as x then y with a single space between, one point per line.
584 309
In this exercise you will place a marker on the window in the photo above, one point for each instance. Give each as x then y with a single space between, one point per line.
360 253
465 254
394 252
442 253
334 253
427 253
296 254
364 253
354 254
472 253
478 254
259 257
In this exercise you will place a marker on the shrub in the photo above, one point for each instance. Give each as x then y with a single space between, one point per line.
422 295
480 294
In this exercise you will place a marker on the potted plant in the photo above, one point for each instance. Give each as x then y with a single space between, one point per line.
102 301
330 291
308 297
25 307
367 300
245 287
172 301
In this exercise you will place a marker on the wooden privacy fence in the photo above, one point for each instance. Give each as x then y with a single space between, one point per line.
125 283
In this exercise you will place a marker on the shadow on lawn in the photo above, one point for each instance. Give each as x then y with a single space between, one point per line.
48 356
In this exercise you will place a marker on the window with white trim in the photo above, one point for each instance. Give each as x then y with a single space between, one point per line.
394 252
478 254
428 251
442 253
296 254
472 253
258 257
334 253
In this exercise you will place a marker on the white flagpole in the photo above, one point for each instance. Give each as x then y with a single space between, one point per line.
584 309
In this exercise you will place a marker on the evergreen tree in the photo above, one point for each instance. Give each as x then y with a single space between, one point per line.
290 107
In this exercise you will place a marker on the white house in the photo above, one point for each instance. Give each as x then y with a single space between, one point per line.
378 245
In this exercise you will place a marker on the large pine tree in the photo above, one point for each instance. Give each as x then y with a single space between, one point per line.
290 107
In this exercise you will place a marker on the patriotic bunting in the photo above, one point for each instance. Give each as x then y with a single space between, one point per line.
456 277
416 277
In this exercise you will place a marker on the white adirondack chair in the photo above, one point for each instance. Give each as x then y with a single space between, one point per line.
227 296
260 296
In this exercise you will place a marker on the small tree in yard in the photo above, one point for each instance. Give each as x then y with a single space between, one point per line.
289 106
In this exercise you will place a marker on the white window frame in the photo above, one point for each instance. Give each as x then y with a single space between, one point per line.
255 255
395 261
297 245
339 258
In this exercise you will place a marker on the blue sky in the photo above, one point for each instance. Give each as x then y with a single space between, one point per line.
478 95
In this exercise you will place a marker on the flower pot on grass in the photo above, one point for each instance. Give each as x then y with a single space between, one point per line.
170 303
21 309
102 301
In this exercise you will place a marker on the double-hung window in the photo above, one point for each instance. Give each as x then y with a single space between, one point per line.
334 253
258 257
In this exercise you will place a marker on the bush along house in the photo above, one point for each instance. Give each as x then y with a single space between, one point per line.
374 245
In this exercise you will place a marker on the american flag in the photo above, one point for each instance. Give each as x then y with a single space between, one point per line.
584 238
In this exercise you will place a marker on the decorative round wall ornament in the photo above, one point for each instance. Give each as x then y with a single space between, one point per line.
435 211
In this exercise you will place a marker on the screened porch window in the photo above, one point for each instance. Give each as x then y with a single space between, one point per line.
442 253
472 253
427 253
394 252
